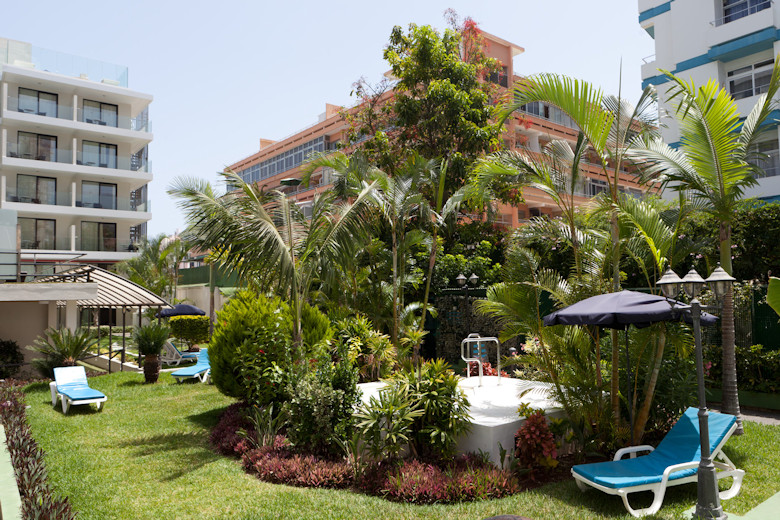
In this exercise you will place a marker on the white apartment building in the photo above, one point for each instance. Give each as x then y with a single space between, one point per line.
732 41
74 165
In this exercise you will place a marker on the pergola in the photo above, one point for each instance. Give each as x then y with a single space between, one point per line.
114 292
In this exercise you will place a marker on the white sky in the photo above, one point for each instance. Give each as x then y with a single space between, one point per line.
224 74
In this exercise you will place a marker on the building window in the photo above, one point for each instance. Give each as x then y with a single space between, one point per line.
751 80
37 146
98 154
38 190
549 112
283 162
100 113
768 158
98 195
36 102
594 186
736 9
98 236
37 233
500 77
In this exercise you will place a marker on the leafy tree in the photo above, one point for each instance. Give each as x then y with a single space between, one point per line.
713 165
156 267
438 106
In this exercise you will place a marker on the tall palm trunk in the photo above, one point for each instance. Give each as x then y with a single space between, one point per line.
394 334
644 411
730 392
614 388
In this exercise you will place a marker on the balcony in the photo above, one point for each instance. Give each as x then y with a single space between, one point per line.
65 199
62 243
130 163
65 113
57 155
734 11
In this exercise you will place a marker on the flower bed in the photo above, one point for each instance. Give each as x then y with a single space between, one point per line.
38 499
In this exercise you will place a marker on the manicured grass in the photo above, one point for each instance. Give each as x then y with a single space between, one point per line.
147 456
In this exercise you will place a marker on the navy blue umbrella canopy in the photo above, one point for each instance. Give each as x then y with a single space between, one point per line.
620 309
181 309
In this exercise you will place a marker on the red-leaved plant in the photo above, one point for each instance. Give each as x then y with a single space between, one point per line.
535 446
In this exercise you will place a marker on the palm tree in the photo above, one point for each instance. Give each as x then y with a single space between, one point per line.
156 265
713 167
266 239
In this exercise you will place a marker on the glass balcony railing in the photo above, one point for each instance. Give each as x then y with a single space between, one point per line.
60 198
58 155
59 112
138 124
117 204
131 163
62 243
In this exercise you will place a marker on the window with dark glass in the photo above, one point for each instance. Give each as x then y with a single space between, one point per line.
98 236
736 9
100 113
751 80
98 195
39 190
37 102
37 233
37 146
98 154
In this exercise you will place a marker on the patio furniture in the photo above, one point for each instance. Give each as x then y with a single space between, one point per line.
675 461
200 370
173 356
71 387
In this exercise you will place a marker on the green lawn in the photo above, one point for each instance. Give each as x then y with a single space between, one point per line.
147 456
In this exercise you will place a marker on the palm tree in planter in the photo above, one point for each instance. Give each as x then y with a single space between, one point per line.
150 340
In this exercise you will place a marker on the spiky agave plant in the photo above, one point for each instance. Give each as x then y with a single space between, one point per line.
61 347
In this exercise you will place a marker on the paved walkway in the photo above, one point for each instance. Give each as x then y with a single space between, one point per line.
759 416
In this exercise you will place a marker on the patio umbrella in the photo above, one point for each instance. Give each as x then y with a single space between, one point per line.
181 309
618 310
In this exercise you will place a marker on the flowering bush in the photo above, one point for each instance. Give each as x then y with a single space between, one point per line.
535 445
487 369
38 499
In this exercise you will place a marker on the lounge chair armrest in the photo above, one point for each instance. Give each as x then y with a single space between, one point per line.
632 450
677 467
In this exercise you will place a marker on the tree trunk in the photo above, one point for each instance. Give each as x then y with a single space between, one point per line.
615 384
730 392
151 368
394 335
644 411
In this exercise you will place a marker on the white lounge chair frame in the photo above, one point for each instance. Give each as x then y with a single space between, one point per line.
171 355
726 467
67 401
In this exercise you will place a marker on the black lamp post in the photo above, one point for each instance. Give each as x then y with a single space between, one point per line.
708 501
473 279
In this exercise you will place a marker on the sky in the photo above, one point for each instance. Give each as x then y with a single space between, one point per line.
225 74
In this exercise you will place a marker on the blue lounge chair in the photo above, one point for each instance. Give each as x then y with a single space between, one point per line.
71 387
173 356
672 463
201 369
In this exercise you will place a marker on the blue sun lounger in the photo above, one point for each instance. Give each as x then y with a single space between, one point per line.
71 387
173 356
201 369
672 463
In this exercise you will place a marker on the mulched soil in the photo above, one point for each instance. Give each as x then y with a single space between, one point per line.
559 473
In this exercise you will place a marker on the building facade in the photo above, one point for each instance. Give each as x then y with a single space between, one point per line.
74 165
278 164
731 41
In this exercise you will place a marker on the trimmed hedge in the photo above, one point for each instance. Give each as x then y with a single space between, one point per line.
190 329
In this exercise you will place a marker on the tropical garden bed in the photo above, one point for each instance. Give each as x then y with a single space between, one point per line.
147 455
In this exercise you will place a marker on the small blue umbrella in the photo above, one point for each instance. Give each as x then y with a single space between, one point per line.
181 309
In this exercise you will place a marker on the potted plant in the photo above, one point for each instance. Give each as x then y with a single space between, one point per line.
150 340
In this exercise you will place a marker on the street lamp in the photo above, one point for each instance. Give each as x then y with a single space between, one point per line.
473 279
708 501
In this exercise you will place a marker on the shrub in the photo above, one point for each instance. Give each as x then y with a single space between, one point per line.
61 348
280 467
252 335
758 370
535 444
190 329
472 369
151 338
315 329
370 350
27 458
224 436
445 408
321 407
9 355
385 422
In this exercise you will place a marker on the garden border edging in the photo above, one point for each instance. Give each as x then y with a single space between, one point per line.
10 500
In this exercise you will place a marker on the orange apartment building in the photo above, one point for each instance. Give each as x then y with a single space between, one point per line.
278 164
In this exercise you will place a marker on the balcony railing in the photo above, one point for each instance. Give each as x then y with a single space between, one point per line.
65 112
116 163
62 243
61 198
742 9
58 155
64 199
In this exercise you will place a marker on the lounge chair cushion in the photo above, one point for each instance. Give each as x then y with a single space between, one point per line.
198 368
78 392
680 445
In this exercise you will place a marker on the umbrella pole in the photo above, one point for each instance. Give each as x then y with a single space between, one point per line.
630 400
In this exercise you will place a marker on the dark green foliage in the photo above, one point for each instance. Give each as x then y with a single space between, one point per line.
190 329
27 459
758 370
321 406
10 354
316 329
151 338
369 349
251 346
61 348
